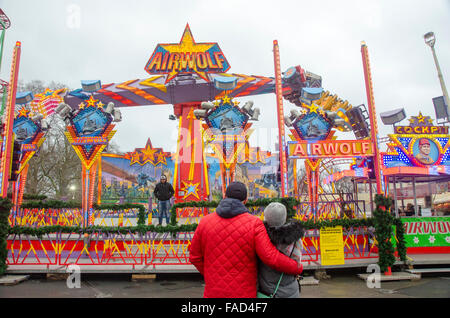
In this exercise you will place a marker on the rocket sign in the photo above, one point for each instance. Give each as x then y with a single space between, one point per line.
187 57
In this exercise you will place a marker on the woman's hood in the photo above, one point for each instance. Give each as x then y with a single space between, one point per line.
229 208
287 234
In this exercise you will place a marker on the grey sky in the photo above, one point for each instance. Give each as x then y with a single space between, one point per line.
113 40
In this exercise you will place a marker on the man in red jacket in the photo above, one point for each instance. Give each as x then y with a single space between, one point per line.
226 245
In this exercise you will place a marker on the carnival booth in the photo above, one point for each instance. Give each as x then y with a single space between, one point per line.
416 171
418 154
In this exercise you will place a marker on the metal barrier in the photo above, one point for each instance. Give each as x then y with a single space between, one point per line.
45 217
327 210
72 217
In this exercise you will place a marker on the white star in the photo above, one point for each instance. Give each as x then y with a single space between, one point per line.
447 239
416 240
431 239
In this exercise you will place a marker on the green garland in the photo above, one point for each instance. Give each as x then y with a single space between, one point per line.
30 196
383 232
51 204
345 223
400 234
5 207
40 231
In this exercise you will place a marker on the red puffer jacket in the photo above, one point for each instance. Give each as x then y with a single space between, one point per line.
225 247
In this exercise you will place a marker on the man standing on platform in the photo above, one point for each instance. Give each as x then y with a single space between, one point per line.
163 192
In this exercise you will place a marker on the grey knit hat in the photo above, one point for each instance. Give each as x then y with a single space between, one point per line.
275 214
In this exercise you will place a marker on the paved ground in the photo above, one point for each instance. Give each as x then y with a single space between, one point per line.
342 284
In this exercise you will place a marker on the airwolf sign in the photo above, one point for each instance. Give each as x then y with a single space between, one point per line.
329 149
187 57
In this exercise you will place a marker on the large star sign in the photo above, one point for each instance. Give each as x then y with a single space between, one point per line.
187 57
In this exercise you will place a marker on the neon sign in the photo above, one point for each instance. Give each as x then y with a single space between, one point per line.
418 145
187 57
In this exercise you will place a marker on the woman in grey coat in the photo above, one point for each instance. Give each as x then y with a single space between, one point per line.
287 238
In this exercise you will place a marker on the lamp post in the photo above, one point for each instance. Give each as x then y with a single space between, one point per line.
430 40
72 189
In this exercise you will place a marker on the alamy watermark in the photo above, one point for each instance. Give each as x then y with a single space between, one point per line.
73 20
374 279
74 279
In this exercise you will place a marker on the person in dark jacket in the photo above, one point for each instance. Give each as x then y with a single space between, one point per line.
226 245
287 238
163 192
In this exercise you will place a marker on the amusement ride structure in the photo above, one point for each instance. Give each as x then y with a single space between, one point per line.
193 78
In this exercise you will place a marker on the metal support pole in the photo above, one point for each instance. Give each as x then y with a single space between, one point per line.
441 79
415 197
395 197
280 113
403 197
373 119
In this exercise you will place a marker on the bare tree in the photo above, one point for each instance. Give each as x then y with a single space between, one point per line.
55 167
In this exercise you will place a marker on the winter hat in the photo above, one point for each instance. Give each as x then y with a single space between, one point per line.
236 190
275 214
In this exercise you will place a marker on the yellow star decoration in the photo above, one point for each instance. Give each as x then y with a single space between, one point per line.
190 189
148 153
187 44
226 100
420 119
135 158
23 112
81 105
216 103
161 158
236 103
100 104
91 101
313 108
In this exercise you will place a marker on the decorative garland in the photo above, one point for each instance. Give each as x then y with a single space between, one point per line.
40 231
5 207
400 234
345 223
384 222
30 196
51 204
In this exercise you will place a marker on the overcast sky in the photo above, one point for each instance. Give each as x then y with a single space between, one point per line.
70 41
